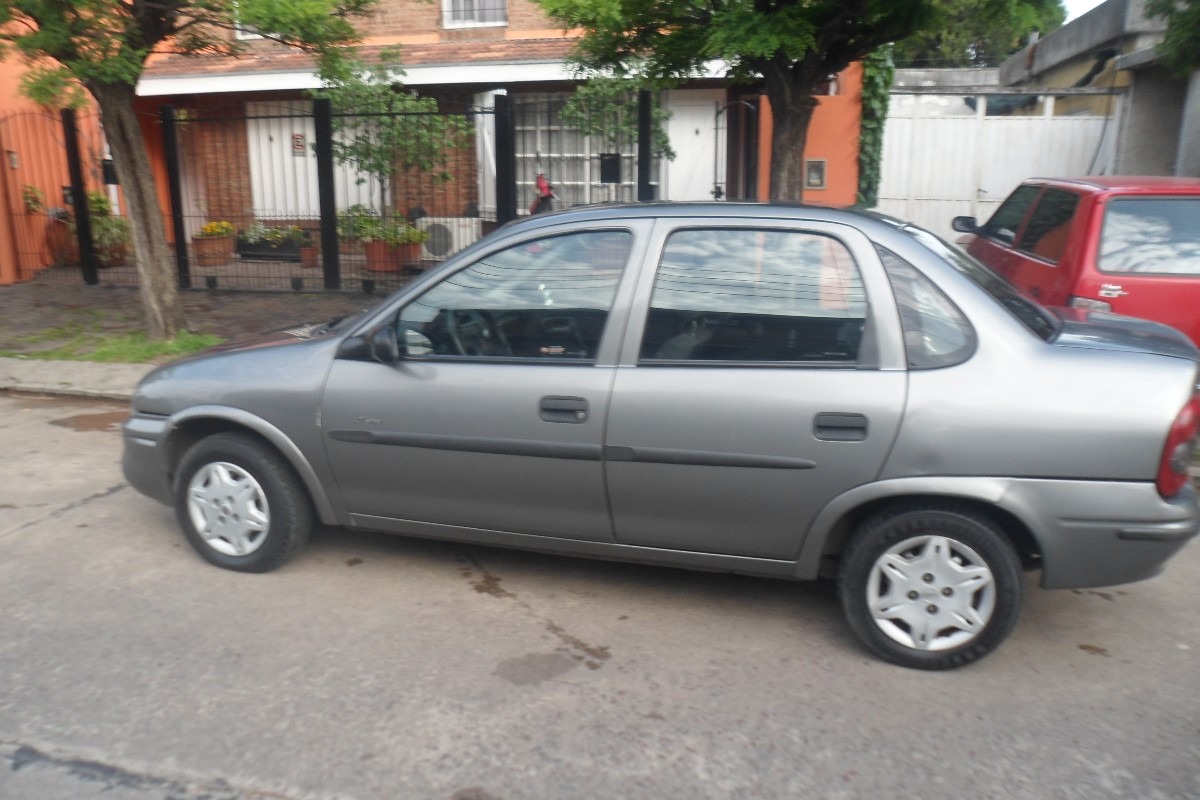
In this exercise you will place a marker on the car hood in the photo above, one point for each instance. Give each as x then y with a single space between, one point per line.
1100 330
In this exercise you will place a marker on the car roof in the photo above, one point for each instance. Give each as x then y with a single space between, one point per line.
1126 184
725 210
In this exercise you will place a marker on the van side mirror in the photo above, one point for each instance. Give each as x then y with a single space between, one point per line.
965 225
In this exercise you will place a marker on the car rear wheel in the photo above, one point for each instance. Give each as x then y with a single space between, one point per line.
239 504
930 587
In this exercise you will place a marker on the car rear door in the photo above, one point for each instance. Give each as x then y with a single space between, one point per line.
493 417
762 376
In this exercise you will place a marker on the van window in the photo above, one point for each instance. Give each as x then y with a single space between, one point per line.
1152 235
1004 223
1046 234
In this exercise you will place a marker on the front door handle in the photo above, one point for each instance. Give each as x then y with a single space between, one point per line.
564 409
840 427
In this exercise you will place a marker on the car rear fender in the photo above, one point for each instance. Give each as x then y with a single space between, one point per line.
196 421
837 520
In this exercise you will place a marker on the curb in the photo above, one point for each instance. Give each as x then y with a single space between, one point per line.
71 378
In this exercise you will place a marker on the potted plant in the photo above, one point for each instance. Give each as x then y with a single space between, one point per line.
308 250
213 245
352 223
280 243
109 234
391 244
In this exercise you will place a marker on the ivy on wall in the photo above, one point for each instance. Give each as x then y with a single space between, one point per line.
878 70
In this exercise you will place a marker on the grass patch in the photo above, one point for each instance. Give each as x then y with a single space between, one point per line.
80 342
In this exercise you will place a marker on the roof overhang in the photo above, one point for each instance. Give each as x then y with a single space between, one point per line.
296 80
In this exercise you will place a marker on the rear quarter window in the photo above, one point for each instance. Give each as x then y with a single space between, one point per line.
1151 235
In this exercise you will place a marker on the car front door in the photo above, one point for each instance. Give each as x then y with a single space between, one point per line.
755 387
492 418
994 243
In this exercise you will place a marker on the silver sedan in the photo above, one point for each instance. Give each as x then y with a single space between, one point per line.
780 391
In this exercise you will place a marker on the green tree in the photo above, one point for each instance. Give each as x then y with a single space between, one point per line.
380 127
1181 47
977 33
790 45
101 46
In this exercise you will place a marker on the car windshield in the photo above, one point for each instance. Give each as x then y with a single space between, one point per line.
1040 322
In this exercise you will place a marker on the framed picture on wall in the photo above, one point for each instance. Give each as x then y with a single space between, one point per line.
814 173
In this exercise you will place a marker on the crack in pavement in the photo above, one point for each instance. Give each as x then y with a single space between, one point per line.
58 512
23 756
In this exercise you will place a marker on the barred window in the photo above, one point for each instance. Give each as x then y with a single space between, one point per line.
474 13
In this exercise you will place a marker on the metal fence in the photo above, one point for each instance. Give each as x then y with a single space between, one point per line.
288 195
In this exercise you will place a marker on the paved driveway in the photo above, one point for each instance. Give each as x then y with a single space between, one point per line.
382 667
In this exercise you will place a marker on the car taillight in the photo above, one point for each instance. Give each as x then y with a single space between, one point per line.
1179 449
1088 303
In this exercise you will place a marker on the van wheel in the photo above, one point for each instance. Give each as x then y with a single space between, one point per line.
240 505
930 587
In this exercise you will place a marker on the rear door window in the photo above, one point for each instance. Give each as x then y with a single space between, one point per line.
1046 233
735 295
1151 235
1005 223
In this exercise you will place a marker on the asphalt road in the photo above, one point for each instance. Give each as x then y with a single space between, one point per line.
382 667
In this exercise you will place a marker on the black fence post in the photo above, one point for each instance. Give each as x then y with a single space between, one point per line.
645 190
506 161
79 200
326 195
171 148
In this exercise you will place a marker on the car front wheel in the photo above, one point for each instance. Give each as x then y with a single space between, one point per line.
239 504
930 587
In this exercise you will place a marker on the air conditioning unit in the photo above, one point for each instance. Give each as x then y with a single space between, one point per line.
447 235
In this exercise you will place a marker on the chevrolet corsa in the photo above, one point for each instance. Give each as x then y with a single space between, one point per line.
781 391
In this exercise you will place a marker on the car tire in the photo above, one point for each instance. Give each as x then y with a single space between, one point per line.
240 504
930 587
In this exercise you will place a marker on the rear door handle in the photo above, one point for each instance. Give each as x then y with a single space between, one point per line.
564 409
840 427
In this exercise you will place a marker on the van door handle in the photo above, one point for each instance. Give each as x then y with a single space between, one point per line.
840 427
564 409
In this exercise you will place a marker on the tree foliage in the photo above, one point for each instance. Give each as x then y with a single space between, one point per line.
790 45
606 108
1181 47
101 47
977 33
380 127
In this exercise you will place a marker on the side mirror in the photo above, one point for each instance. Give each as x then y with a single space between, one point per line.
379 344
965 225
385 347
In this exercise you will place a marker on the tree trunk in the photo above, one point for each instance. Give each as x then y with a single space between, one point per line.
155 264
791 110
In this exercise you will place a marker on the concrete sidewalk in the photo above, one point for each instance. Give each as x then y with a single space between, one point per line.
78 378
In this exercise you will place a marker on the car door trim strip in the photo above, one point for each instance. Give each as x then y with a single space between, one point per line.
576 452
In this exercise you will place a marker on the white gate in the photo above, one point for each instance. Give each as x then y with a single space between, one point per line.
943 158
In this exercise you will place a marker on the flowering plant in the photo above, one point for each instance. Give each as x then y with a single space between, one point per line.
211 230
272 235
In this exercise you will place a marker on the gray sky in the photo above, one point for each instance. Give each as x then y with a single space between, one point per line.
1077 8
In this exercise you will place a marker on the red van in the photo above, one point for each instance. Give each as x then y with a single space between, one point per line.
1130 245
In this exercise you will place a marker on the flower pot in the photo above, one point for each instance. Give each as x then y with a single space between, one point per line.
384 257
308 256
213 251
269 251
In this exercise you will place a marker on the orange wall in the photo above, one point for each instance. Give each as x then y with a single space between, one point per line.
832 135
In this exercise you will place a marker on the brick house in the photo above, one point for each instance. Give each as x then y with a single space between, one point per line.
464 52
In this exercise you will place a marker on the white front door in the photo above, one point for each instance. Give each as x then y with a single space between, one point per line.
693 130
